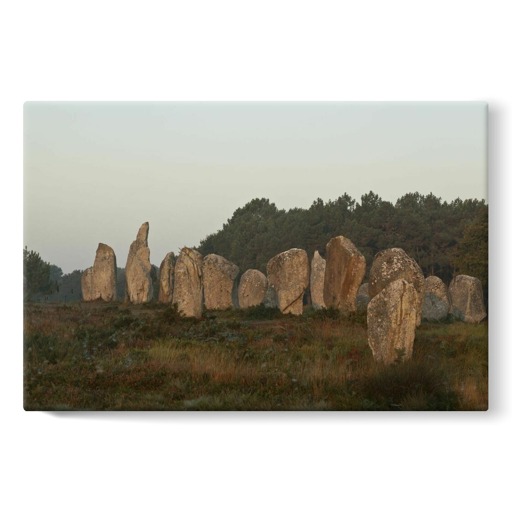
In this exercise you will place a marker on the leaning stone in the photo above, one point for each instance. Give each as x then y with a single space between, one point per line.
139 286
344 272
219 283
362 298
99 281
436 301
252 288
392 264
288 275
392 322
467 299
166 278
188 283
316 281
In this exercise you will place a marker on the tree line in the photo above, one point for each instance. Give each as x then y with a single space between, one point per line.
444 238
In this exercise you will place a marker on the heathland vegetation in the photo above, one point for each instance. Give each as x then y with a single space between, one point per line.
101 356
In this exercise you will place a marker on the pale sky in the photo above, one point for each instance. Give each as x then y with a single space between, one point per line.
94 172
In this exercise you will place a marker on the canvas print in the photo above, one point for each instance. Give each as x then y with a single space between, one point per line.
255 256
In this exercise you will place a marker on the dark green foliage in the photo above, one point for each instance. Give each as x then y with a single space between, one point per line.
409 386
260 312
39 277
70 288
471 253
426 227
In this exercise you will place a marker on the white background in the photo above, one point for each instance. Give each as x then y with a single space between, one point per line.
393 50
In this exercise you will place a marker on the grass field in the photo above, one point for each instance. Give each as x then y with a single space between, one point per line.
96 356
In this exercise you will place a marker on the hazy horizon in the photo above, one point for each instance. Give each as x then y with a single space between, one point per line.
94 172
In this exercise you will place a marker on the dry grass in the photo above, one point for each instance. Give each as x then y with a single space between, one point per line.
97 356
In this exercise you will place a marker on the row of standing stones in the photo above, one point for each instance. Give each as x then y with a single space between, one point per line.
397 296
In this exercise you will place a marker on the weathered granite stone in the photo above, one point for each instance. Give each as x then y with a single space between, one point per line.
252 288
188 283
139 286
436 301
344 270
467 299
392 264
270 299
288 275
99 281
219 283
87 286
166 278
316 281
362 298
392 322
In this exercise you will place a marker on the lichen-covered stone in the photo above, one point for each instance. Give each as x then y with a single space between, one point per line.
288 276
99 281
219 282
316 281
139 285
392 322
467 299
188 283
392 264
166 278
252 288
344 271
436 301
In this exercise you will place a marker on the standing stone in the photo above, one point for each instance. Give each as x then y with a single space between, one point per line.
392 322
99 281
344 272
252 288
104 273
362 298
392 264
87 287
467 299
270 299
166 280
316 281
436 301
188 283
139 286
288 275
219 282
